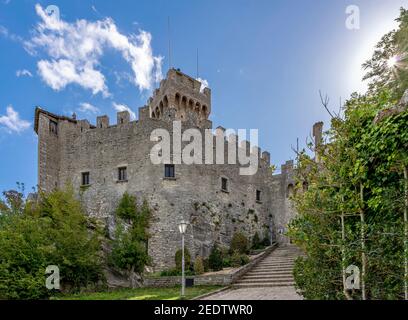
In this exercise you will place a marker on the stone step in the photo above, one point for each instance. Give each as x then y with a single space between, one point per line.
268 273
269 280
266 278
275 264
271 270
276 261
272 267
264 285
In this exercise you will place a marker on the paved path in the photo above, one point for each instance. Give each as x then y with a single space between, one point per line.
270 279
271 293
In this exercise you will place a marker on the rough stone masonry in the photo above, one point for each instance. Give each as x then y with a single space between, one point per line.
105 160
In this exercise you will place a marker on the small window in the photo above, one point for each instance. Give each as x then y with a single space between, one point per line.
258 195
85 178
53 127
122 176
169 171
224 184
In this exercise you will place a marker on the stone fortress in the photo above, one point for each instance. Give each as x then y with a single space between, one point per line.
103 162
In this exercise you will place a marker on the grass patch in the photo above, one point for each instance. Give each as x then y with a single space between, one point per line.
171 293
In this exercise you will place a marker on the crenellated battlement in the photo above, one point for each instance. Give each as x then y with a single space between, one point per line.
182 93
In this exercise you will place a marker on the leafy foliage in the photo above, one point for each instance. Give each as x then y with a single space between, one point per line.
393 45
239 259
52 231
129 248
215 259
178 259
198 265
359 181
127 208
256 242
239 242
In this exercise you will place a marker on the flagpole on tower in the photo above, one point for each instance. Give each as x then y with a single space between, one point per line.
197 65
169 35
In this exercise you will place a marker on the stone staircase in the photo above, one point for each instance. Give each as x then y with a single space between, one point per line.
275 270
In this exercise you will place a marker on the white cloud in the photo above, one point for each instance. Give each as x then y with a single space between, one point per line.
24 72
122 107
9 35
58 74
204 84
75 49
12 122
88 108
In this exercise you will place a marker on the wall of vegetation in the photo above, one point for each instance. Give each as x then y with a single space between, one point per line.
354 210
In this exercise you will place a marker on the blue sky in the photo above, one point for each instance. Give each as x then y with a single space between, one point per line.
265 62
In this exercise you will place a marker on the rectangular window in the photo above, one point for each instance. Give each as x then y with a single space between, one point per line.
258 195
122 174
169 171
85 178
224 184
53 127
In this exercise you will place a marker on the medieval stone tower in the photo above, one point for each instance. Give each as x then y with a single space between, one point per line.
183 94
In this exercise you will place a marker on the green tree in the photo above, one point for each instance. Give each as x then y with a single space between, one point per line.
129 248
52 231
239 242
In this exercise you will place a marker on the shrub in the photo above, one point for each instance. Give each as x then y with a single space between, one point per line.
198 266
226 262
239 259
256 241
239 243
206 264
178 259
127 208
244 259
266 242
215 259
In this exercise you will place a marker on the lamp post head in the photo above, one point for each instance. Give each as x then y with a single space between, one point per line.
182 226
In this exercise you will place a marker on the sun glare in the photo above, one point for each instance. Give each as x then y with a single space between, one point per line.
391 62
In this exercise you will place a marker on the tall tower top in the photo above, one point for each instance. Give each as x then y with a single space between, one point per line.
190 100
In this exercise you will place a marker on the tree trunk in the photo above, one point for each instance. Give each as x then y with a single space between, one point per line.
406 233
343 259
363 248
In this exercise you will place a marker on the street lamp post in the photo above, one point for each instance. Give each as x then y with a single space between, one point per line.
182 228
